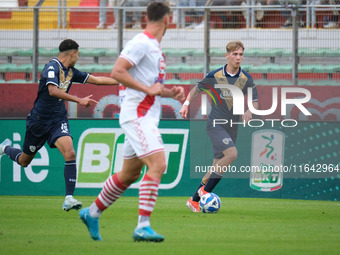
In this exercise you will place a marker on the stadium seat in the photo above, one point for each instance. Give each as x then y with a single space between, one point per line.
184 68
111 53
25 53
197 53
261 68
246 67
251 52
281 69
280 83
332 52
306 68
269 52
305 83
171 52
327 83
101 68
318 52
48 52
214 67
176 81
262 82
13 68
18 81
305 52
40 68
324 68
9 53
217 52
287 53
95 53
26 68
175 68
87 68
192 69
6 67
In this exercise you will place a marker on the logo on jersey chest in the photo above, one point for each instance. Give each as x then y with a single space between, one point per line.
226 93
65 81
161 65
161 69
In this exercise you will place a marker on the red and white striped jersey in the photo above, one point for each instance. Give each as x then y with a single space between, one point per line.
148 67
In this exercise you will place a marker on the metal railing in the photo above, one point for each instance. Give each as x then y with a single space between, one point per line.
178 36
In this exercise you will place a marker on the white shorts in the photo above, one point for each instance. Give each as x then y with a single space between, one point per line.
142 138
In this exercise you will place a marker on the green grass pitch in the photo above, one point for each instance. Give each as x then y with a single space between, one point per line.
38 225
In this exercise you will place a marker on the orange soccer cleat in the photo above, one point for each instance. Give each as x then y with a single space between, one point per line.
193 205
201 192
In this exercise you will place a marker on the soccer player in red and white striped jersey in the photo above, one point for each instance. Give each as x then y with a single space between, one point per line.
141 69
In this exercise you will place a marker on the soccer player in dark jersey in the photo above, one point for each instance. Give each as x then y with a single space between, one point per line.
223 137
48 121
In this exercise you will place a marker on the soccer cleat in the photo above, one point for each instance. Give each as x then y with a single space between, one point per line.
193 205
201 192
71 203
91 223
147 234
3 145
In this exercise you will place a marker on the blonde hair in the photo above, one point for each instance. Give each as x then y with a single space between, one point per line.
234 45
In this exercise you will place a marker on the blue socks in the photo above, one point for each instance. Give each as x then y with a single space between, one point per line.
13 153
195 197
70 174
213 181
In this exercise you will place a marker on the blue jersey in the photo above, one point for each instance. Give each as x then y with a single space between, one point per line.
242 80
47 107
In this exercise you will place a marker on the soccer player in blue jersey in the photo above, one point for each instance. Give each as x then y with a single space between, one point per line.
48 121
223 137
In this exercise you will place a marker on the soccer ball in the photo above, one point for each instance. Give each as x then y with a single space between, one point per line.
210 203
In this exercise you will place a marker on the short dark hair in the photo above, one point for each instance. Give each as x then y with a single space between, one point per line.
157 10
68 44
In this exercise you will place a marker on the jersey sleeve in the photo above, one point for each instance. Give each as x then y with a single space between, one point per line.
50 74
251 84
79 76
208 81
134 52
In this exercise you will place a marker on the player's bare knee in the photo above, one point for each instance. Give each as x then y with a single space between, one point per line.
162 167
231 154
70 155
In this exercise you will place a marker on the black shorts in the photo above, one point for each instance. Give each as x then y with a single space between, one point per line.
39 131
221 139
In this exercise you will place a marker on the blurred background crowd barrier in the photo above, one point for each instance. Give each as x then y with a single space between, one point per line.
287 42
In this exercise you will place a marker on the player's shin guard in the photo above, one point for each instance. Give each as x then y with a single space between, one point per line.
112 190
70 174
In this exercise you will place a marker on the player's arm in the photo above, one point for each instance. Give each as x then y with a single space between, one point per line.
176 92
121 74
54 91
190 98
101 80
247 116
